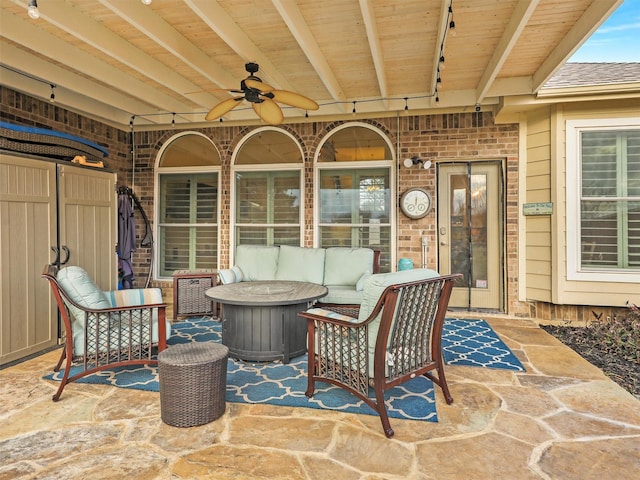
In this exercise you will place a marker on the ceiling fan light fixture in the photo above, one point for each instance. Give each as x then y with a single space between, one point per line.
263 98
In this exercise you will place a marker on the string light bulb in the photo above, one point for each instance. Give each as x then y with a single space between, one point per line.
52 97
406 105
354 108
173 120
32 9
452 24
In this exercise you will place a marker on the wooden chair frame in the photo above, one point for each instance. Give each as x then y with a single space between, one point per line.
408 343
104 349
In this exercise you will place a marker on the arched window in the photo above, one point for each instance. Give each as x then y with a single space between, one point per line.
354 205
268 189
187 213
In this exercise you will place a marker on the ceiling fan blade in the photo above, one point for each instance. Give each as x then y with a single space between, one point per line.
223 107
268 111
294 99
256 85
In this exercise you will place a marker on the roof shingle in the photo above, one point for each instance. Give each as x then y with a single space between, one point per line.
588 74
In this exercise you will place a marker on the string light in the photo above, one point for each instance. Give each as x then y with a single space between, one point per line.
32 9
52 97
354 107
452 24
173 120
406 105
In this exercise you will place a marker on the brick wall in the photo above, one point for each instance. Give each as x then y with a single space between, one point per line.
439 138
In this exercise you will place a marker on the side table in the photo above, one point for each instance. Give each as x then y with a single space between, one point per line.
193 383
189 287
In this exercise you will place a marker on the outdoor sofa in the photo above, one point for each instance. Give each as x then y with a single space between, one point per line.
342 270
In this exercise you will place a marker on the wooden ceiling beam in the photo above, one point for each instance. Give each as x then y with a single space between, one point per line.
298 27
71 91
517 23
124 91
374 46
591 19
95 34
443 25
218 20
157 29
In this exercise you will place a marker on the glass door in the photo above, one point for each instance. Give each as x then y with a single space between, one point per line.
470 232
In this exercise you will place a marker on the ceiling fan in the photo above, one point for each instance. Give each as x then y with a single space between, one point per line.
263 98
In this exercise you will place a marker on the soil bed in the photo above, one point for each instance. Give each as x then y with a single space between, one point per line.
583 341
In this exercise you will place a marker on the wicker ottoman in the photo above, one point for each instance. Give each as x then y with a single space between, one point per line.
193 383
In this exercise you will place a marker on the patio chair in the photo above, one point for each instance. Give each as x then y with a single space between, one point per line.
397 336
104 330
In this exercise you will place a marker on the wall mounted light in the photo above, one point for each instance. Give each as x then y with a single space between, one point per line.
146 2
410 162
32 9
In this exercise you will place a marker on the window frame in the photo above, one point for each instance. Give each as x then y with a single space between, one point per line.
271 167
390 164
574 129
158 170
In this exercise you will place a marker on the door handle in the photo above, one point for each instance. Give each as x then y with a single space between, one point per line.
56 261
65 249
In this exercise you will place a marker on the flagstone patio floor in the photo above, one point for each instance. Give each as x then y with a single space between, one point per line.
561 419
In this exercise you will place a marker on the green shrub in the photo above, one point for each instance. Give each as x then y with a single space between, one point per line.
619 335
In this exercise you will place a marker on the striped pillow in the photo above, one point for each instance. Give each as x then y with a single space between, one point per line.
230 275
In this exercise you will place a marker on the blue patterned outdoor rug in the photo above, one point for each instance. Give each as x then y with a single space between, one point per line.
468 342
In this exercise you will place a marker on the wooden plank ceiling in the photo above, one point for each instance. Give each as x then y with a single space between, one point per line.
173 60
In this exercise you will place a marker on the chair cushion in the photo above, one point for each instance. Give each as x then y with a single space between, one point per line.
257 262
81 288
134 297
331 314
345 266
301 264
122 298
373 288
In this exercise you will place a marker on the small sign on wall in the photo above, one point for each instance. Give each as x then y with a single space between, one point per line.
540 208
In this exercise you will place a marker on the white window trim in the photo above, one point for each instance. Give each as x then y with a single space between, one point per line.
393 179
573 182
235 168
156 195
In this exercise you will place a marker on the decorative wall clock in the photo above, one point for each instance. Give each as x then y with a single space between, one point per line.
415 203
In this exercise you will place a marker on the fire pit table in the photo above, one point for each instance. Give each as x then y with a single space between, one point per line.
260 319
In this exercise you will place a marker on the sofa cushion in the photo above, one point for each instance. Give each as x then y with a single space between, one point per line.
301 264
345 266
81 288
342 294
257 262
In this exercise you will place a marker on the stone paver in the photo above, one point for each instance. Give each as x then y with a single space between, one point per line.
562 419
